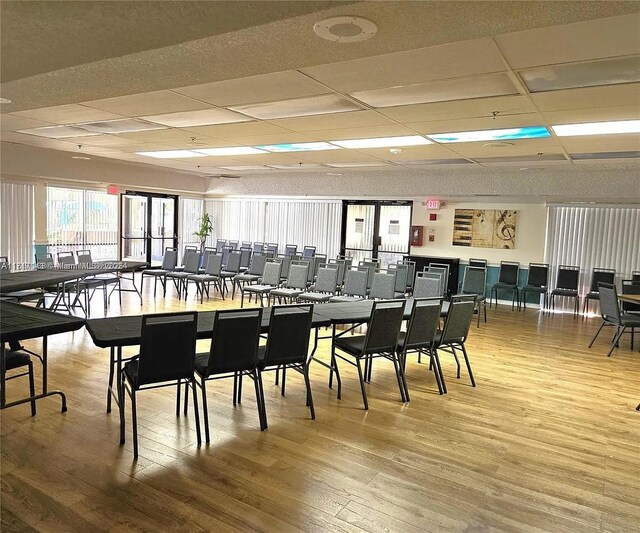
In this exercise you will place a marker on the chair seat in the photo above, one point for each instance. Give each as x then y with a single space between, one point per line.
154 272
131 371
24 296
258 288
247 277
203 277
534 288
227 274
503 285
338 299
402 339
592 295
351 344
315 296
16 359
287 293
202 360
179 275
564 292
630 320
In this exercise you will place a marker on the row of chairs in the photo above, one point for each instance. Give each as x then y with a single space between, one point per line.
261 247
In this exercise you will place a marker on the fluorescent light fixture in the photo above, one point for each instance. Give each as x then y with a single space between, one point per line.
230 150
358 164
298 107
202 117
126 125
383 142
597 128
57 132
510 134
298 147
634 154
171 154
245 167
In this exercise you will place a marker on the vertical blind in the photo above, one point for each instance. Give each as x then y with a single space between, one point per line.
16 217
190 214
314 223
593 237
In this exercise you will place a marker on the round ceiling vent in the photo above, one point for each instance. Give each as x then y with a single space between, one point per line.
345 29
498 144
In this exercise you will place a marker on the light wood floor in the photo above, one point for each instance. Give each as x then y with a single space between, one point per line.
548 441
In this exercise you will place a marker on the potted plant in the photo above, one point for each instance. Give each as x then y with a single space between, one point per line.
206 227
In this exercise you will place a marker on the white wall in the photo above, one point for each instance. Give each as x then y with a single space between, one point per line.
530 233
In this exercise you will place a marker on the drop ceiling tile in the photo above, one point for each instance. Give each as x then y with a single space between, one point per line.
101 140
440 91
201 117
474 124
244 129
476 108
299 107
521 147
453 60
58 132
333 121
11 122
32 140
588 97
278 138
605 37
341 155
153 103
370 132
68 114
263 88
268 159
598 114
171 134
601 143
429 151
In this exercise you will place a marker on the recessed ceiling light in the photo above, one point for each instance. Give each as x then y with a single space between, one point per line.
345 29
531 132
298 147
334 174
5 101
127 125
383 142
597 128
202 117
230 150
57 132
298 107
498 144
171 154
83 157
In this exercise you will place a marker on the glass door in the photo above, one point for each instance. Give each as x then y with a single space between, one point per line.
376 229
149 224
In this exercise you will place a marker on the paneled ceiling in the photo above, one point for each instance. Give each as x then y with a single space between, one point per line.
114 79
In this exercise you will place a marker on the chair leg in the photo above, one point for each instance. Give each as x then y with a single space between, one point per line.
134 421
362 387
616 340
121 401
466 360
455 356
112 365
186 397
396 366
235 387
178 393
307 382
32 389
438 369
195 409
597 333
262 409
284 379
205 408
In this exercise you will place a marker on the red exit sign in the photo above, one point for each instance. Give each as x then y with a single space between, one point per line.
113 189
433 204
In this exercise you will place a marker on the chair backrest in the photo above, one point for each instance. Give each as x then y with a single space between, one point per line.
286 263
327 280
424 322
538 275
258 247
235 339
458 321
568 277
187 249
355 282
432 268
297 277
233 262
272 273
168 347
478 263
383 286
314 263
289 332
383 328
84 258
272 247
411 273
233 245
630 287
44 261
442 272
214 264
245 257
635 275
290 249
192 262
474 281
220 244
245 244
257 264
428 285
402 271
343 264
66 259
602 275
205 255
308 251
372 267
609 308
170 259
509 272
226 250
4 262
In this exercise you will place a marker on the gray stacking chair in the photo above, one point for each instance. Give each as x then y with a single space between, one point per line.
567 286
169 263
381 340
187 250
482 263
599 275
245 244
355 286
325 286
372 267
635 275
270 280
420 337
507 281
231 269
252 275
272 247
630 287
233 245
314 263
86 287
191 266
445 269
383 286
411 274
428 285
402 271
258 247
456 330
611 316
220 244
537 283
211 275
475 283
308 252
295 285
290 249
245 258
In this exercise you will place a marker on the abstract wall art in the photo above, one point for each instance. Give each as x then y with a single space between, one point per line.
485 228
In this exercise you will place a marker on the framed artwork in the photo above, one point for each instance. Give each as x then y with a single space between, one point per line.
417 233
485 228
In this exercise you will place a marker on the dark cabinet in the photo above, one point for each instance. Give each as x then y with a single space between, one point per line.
454 267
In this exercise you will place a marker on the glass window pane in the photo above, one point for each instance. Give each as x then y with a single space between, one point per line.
395 228
360 220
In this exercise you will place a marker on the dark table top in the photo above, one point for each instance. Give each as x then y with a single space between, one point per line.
35 279
19 322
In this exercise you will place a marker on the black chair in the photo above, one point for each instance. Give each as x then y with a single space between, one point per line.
611 316
288 345
475 283
108 280
420 337
537 283
169 263
507 281
635 275
630 286
167 358
456 330
233 353
482 263
599 275
17 357
381 340
567 286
